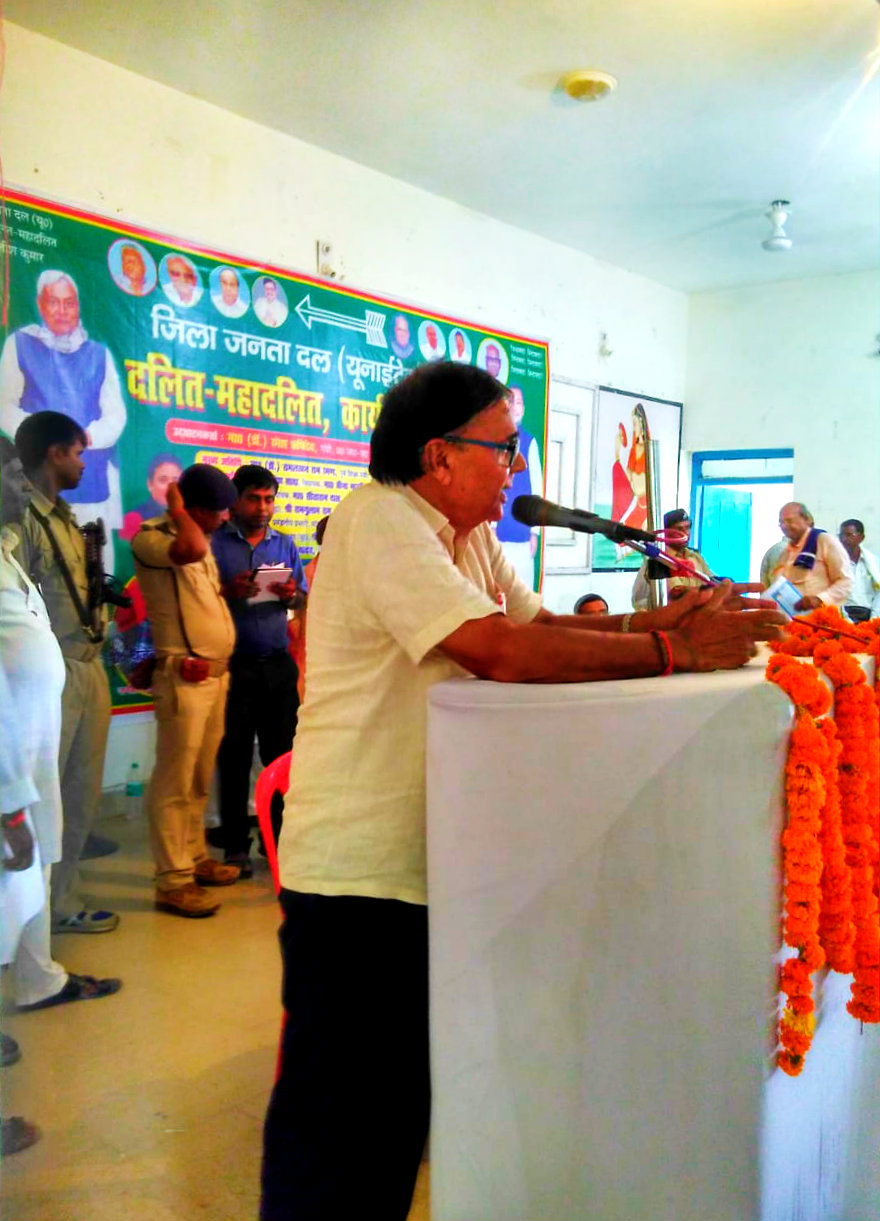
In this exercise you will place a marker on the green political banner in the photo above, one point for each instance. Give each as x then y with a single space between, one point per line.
168 353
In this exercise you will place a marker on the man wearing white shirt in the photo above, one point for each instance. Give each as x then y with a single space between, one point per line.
410 592
55 366
813 561
270 308
864 600
32 676
229 300
182 286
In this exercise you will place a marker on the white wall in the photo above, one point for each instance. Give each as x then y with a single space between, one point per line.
792 365
83 131
132 740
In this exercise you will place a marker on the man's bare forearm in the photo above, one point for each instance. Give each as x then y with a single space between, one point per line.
190 543
539 652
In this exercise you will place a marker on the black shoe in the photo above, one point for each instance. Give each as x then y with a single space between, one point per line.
10 1052
214 836
98 845
243 861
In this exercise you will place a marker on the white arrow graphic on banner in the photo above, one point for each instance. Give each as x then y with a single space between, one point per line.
372 325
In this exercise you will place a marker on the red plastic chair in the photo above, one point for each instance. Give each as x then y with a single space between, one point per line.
272 779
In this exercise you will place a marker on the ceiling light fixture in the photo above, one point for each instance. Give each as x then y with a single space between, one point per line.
778 215
588 84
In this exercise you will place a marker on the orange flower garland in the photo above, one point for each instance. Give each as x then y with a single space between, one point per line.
856 716
805 793
806 632
836 930
849 838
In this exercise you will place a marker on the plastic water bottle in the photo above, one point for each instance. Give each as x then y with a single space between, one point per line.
134 793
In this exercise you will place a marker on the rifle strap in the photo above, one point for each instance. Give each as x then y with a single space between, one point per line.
83 614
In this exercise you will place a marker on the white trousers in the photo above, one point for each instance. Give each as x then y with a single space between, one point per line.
34 971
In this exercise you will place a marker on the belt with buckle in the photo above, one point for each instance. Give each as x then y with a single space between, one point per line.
215 669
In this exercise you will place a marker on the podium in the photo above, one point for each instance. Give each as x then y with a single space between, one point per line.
603 882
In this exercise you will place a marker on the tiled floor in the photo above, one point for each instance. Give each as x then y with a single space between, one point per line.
151 1102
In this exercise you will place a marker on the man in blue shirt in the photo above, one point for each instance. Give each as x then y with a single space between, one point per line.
263 700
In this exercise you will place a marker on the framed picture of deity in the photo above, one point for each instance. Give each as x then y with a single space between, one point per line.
624 427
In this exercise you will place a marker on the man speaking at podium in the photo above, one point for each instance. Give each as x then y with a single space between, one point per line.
413 589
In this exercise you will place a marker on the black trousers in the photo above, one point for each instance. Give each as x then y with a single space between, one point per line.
858 614
348 1118
262 703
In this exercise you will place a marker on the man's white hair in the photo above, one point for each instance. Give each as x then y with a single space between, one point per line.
48 279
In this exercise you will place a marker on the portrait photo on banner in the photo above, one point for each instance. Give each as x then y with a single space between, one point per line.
621 466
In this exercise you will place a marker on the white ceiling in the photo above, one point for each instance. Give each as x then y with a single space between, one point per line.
722 106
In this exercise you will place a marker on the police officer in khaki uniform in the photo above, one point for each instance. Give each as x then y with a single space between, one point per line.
52 553
194 637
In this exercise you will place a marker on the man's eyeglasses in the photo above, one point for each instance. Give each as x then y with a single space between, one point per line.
507 451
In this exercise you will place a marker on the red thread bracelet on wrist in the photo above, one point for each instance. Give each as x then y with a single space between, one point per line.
13 820
665 652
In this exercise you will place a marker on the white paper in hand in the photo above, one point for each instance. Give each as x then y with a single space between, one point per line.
785 595
264 577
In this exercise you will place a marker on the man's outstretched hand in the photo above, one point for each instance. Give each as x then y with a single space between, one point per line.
668 618
712 633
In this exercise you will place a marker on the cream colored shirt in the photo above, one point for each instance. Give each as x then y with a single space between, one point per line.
831 577
389 588
184 603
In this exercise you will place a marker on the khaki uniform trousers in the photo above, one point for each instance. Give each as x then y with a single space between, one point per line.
189 727
85 722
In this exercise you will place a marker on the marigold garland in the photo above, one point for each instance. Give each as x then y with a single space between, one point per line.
836 929
800 683
855 712
839 758
805 792
804 633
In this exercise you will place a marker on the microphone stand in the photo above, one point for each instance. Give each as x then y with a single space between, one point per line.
682 568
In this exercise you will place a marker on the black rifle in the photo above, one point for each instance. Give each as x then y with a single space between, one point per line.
102 588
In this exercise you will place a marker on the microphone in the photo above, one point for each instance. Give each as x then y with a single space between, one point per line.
535 511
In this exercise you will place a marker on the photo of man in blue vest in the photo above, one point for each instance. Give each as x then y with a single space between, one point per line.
53 365
518 542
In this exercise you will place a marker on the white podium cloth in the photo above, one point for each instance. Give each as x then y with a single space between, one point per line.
602 888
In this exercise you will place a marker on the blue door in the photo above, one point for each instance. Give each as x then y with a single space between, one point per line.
725 531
